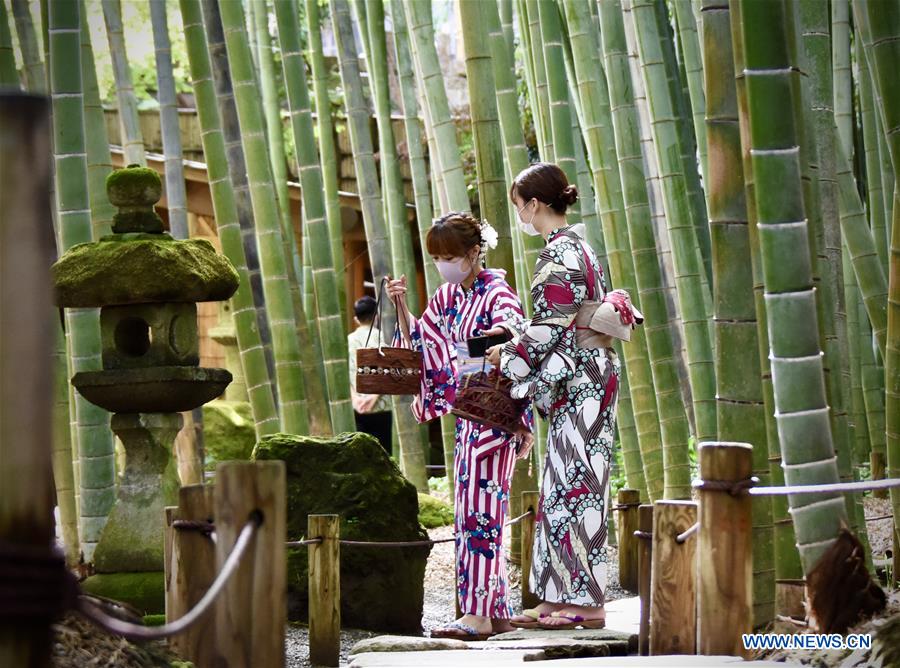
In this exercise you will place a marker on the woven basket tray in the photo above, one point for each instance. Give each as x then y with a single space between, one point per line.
484 397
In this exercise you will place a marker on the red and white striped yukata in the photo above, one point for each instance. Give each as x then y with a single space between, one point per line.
484 457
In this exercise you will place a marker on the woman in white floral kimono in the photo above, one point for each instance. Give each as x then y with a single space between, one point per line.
576 388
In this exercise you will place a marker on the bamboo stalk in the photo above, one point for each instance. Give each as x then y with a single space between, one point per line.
26 248
884 26
176 197
282 308
514 147
786 556
673 424
370 196
861 250
601 144
94 437
9 73
418 18
820 138
271 106
325 128
237 170
132 140
739 391
99 160
871 138
798 374
329 321
492 190
409 432
557 90
253 359
32 64
679 220
693 58
421 195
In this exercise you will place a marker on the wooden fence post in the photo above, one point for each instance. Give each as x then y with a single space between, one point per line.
168 563
251 612
673 590
626 524
26 340
529 500
324 590
725 588
193 571
645 546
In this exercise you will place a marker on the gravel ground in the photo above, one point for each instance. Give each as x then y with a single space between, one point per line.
440 582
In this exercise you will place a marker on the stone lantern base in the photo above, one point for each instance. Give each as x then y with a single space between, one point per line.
132 539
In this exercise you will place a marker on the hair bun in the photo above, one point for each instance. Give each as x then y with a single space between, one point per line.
569 195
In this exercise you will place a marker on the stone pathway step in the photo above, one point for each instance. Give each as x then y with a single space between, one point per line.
491 658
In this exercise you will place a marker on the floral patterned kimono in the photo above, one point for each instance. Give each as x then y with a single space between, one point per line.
484 457
577 390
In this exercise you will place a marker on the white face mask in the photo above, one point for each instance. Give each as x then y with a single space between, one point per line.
528 228
454 271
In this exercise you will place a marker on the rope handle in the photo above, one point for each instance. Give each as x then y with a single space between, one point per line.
379 309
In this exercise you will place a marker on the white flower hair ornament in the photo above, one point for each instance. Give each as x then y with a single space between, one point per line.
489 236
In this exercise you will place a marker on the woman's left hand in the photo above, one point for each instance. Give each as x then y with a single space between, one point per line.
493 355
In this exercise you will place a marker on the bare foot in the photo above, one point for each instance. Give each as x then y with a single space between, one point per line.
477 622
543 608
588 613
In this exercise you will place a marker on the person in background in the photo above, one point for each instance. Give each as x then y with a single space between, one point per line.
372 411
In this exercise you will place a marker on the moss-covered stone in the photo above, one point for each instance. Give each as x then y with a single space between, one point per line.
134 186
228 431
350 475
433 512
145 591
141 269
154 620
132 539
138 221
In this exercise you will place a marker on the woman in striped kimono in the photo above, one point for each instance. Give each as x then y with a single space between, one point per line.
574 383
473 302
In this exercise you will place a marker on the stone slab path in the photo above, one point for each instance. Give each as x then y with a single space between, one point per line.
564 649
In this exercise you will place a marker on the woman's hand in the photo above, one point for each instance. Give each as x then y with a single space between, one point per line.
527 442
396 288
493 355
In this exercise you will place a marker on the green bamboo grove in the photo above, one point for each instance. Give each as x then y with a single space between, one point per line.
736 164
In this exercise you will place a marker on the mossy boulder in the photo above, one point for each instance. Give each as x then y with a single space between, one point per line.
228 431
433 512
144 591
382 589
141 269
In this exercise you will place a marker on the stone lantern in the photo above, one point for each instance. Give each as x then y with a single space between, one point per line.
147 286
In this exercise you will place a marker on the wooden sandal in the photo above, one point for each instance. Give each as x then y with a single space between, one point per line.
575 621
535 619
460 631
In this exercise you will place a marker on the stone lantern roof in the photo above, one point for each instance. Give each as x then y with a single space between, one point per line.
141 268
139 263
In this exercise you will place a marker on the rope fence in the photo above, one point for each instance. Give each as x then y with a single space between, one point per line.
684 535
748 486
90 611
